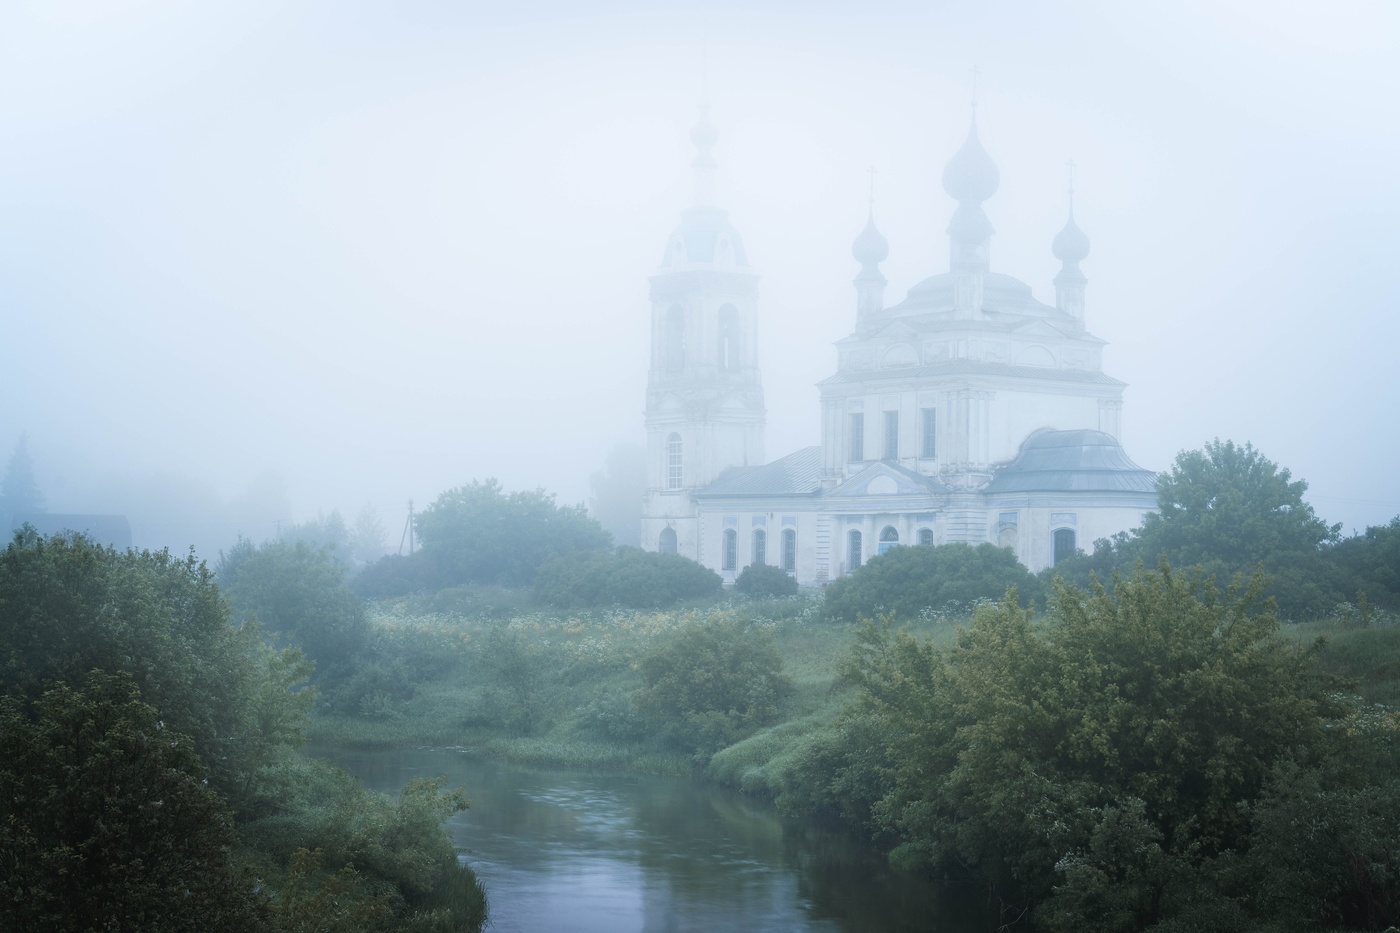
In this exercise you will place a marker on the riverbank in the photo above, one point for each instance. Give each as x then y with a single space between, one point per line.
484 670
555 688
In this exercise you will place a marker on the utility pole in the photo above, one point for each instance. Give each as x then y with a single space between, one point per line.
407 531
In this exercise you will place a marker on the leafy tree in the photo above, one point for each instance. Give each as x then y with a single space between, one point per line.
479 534
905 581
627 577
367 537
1228 509
765 580
69 606
1146 717
1368 565
106 821
1230 504
19 490
299 590
617 490
713 683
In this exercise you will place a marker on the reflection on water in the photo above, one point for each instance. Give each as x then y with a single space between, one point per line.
570 851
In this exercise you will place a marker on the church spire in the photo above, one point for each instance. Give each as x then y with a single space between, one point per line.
970 177
1070 246
870 249
704 136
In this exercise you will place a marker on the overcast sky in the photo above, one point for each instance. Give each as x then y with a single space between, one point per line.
368 251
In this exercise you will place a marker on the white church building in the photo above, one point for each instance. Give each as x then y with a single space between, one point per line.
968 412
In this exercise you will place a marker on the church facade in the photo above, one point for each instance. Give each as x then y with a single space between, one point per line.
967 412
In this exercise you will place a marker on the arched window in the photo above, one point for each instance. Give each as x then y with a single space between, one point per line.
673 461
926 536
730 344
790 550
1064 544
760 546
731 549
666 544
853 550
1006 536
675 339
888 538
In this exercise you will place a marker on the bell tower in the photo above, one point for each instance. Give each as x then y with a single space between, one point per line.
704 410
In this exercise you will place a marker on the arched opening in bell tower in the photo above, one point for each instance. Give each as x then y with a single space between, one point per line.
675 339
730 345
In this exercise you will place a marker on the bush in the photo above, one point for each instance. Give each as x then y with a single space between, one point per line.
713 683
480 534
396 575
106 821
905 581
297 589
629 577
765 580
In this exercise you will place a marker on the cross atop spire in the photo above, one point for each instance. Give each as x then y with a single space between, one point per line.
872 173
1071 166
975 72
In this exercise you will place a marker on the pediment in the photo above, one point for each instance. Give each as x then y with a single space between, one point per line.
886 480
896 330
1038 328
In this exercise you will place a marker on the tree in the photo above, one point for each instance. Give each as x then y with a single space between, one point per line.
628 577
1231 504
1369 565
367 537
713 683
1229 509
906 581
107 821
480 534
765 580
297 589
1148 716
618 489
69 606
19 491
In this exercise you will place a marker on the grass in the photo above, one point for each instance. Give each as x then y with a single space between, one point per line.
485 671
1364 648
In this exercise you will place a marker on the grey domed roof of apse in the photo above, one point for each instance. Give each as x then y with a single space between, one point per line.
1072 461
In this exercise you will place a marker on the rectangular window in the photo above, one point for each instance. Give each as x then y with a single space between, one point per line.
927 447
673 462
857 437
789 550
731 549
891 435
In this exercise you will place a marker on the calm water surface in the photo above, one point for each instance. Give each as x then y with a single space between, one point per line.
584 851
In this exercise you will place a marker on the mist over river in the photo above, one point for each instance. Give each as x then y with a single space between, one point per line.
604 852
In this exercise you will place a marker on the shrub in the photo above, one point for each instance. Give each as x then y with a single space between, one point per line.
765 580
629 577
905 581
480 534
713 683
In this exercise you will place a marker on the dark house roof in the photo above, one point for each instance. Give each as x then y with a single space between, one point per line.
797 474
1072 461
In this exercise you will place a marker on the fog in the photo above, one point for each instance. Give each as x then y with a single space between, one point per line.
313 255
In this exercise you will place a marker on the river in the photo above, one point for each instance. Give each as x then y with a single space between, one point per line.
590 852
